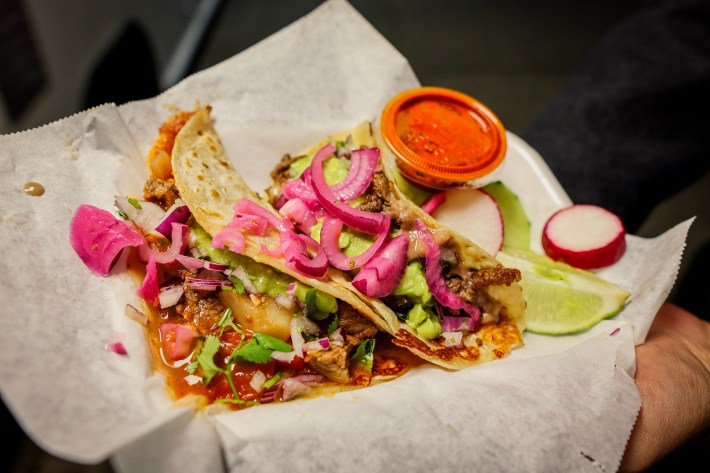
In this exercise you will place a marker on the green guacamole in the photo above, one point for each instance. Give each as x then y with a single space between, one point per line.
421 317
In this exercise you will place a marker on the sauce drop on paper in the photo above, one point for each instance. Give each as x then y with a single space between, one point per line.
34 189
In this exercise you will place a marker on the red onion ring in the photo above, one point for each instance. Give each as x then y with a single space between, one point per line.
363 164
367 222
329 240
435 278
383 272
295 249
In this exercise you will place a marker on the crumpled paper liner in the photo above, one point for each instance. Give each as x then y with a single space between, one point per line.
557 404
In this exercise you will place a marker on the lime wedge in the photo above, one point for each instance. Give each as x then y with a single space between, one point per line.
561 299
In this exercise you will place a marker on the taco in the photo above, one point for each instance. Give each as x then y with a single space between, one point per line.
238 327
435 291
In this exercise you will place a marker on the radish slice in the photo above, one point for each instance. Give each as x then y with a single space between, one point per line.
584 236
475 214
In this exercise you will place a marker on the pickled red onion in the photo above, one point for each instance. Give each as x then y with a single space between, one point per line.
302 189
295 249
363 164
383 272
433 202
372 223
435 278
149 289
231 238
246 206
98 237
329 240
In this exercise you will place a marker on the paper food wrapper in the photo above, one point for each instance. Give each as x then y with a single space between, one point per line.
557 404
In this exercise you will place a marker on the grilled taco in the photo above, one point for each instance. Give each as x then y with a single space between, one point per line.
435 291
241 327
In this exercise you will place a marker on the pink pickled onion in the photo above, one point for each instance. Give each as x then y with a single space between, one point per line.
367 222
98 237
383 272
231 238
330 237
117 347
363 164
299 213
295 249
178 243
149 289
302 189
255 224
435 278
433 202
246 206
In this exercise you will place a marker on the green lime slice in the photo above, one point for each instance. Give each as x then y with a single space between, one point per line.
562 299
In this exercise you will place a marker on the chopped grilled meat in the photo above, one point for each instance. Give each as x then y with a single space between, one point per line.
280 174
331 363
377 195
162 192
469 287
202 309
355 325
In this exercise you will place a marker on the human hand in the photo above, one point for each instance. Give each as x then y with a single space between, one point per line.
673 376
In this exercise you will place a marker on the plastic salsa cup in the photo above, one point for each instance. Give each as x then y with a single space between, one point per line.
442 138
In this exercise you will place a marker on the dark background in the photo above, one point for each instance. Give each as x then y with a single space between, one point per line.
57 58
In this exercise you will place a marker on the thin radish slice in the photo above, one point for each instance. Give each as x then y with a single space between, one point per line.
584 236
475 214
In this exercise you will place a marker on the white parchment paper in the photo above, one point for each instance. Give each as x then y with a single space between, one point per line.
557 404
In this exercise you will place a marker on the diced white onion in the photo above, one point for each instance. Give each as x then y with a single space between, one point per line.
257 381
170 295
452 339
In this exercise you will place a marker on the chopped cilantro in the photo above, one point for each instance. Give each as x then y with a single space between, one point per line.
206 358
259 348
228 321
365 353
238 285
273 380
192 367
333 326
134 203
123 215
